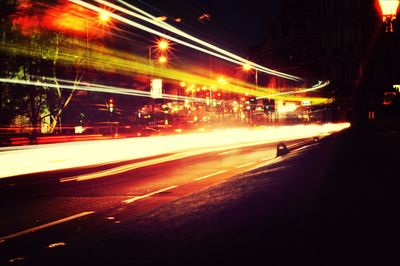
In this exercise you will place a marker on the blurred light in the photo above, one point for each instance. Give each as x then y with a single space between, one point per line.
161 18
389 8
205 16
282 107
104 17
389 12
162 59
247 67
16 161
163 45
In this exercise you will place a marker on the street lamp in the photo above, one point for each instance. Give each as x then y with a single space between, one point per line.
389 12
162 46
104 17
246 68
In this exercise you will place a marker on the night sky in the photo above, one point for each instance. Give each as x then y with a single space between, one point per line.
239 23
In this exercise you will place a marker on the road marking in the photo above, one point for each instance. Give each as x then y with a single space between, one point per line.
244 165
43 226
210 175
227 152
147 195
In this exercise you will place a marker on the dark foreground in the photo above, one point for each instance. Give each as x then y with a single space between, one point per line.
335 203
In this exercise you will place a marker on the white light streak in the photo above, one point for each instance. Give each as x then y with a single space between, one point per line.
152 20
17 161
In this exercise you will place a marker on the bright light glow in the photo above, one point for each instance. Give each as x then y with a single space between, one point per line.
104 17
247 67
161 18
389 8
163 45
24 160
282 107
148 18
221 53
162 59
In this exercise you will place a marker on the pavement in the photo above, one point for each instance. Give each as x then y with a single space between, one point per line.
332 203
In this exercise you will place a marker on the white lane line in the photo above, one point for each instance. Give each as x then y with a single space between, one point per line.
43 226
268 158
244 165
210 175
147 195
227 152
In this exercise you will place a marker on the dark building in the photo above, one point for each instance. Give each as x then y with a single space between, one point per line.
343 41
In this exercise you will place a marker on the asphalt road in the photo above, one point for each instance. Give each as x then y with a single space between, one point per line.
49 210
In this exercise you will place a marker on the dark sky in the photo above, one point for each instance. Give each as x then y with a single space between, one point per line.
240 23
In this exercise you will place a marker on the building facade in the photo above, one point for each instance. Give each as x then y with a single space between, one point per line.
343 41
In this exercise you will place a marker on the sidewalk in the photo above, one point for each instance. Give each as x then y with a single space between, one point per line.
336 203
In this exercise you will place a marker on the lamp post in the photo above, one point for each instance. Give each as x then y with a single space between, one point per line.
246 68
389 12
162 47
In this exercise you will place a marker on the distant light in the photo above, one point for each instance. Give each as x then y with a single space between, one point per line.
178 20
161 18
104 17
221 80
162 59
163 45
205 16
247 67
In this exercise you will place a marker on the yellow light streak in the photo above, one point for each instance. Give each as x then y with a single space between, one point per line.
16 161
106 60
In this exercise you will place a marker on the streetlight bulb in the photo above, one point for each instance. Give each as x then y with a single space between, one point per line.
104 17
389 8
162 59
247 67
163 45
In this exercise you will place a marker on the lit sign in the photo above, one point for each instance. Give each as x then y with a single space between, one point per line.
156 88
306 103
396 87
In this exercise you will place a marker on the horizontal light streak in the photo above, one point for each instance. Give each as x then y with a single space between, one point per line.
59 156
132 92
245 165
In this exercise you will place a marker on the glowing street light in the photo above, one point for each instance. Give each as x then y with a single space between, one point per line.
163 45
389 12
247 67
162 59
104 17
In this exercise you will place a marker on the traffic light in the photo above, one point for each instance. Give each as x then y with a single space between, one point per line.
111 105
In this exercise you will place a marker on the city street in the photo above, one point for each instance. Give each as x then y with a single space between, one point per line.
40 202
151 132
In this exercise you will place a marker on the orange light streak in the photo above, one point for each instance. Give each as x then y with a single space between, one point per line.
18 160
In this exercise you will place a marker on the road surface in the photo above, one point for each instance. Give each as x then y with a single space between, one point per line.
51 209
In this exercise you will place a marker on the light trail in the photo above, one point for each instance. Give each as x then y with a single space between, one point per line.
132 92
226 55
59 156
152 20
